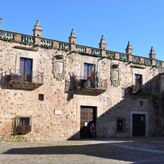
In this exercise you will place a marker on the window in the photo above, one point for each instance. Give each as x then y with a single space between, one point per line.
21 125
120 125
90 76
141 103
26 69
89 70
41 97
138 82
114 66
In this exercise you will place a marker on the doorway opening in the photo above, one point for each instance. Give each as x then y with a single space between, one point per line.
88 115
138 124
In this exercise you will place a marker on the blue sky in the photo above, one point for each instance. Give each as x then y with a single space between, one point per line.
139 21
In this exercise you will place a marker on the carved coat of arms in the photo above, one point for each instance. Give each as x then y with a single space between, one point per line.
115 77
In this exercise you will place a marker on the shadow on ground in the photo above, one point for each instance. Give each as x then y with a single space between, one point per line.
101 150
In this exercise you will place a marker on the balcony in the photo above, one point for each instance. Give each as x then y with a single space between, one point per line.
140 90
84 86
16 80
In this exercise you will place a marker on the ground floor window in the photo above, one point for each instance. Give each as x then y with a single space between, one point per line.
120 125
21 125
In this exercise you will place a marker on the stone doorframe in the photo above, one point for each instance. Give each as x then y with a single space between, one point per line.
146 122
90 102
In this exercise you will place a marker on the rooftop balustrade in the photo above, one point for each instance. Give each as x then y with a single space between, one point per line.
80 49
27 39
158 63
124 57
65 46
96 51
46 43
5 35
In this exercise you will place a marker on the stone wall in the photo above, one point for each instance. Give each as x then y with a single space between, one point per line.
56 118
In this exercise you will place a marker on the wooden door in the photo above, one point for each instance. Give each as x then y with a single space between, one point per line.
138 125
87 115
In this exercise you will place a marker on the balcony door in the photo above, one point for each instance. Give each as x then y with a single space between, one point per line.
138 82
89 70
89 76
26 69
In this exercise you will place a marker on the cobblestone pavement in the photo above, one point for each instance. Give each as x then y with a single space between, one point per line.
135 150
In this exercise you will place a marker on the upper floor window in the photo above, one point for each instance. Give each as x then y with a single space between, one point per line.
90 78
26 69
89 70
138 82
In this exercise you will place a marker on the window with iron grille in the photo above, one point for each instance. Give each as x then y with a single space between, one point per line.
21 125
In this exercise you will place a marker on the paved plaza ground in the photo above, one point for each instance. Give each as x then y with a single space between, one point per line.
114 151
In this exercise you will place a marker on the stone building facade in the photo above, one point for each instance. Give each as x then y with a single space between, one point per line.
53 90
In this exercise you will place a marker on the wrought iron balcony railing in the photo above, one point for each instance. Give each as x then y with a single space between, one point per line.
86 86
15 79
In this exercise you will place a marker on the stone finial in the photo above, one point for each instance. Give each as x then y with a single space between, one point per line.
37 31
72 37
102 44
129 49
152 53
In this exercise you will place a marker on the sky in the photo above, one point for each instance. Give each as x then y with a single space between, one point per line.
139 21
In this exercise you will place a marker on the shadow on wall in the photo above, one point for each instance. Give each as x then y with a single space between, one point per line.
120 112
